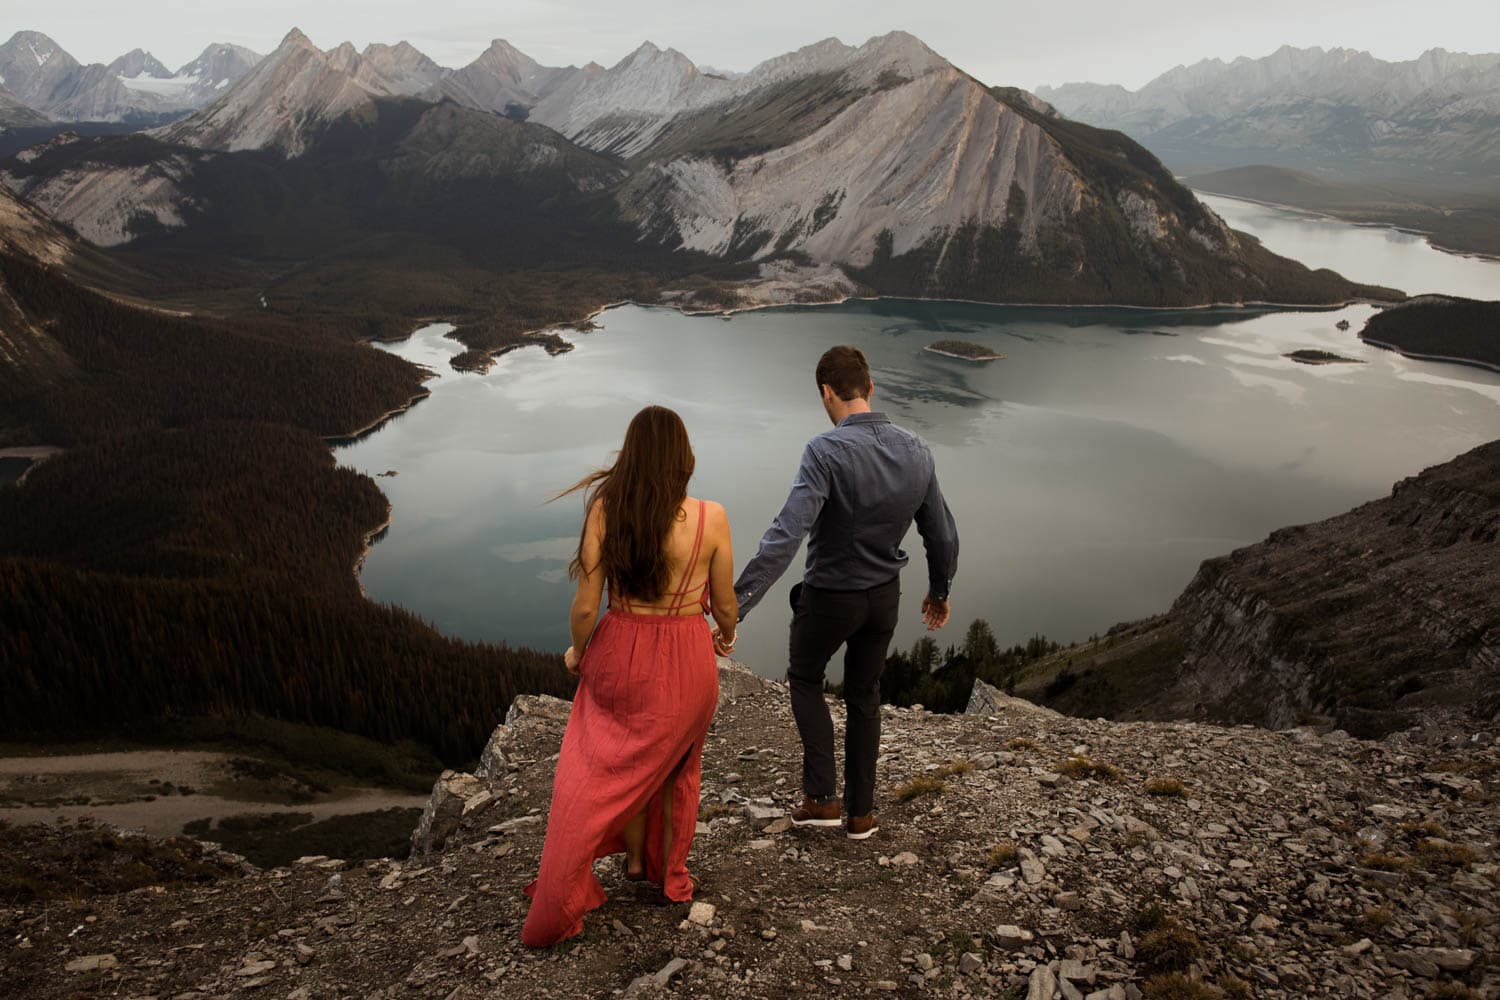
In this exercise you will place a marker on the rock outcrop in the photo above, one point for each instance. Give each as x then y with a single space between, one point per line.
1376 620
1021 853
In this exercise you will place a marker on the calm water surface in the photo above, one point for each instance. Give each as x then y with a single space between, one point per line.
1090 471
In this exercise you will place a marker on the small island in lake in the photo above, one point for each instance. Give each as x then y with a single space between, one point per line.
963 350
1321 358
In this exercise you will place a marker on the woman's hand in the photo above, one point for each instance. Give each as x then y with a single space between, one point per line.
570 661
723 645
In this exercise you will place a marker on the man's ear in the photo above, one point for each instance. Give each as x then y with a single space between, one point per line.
826 392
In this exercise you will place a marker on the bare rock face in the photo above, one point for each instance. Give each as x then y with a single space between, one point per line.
453 795
1376 620
736 681
986 699
538 706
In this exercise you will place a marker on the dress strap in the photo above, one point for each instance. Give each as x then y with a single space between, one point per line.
679 596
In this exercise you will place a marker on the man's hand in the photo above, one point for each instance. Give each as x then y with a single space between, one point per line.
570 661
934 613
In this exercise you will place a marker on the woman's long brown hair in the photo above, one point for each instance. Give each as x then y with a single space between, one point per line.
640 495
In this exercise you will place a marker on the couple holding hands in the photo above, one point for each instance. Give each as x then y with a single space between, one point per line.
628 772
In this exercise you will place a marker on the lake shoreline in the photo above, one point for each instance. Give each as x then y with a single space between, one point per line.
1415 356
1325 215
368 542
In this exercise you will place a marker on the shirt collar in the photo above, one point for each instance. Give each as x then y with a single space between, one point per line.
873 417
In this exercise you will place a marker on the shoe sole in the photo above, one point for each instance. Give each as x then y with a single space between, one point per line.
817 822
863 836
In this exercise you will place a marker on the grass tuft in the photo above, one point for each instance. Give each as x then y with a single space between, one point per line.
1170 947
1148 918
1383 861
921 785
954 769
1176 986
1081 768
1169 787
1427 828
1020 743
1004 855
1435 851
1377 918
1234 987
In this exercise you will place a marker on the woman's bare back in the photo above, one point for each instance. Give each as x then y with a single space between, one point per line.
685 583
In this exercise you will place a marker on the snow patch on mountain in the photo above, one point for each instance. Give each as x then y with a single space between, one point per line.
295 87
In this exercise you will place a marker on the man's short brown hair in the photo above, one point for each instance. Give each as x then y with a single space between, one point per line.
844 370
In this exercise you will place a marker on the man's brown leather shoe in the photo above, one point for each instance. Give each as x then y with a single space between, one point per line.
810 813
861 827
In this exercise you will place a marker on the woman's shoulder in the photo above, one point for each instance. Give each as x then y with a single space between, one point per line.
713 511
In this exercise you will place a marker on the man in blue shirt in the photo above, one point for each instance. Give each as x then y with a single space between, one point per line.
859 488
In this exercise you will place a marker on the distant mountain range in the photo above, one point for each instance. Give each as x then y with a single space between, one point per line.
1341 109
883 159
45 80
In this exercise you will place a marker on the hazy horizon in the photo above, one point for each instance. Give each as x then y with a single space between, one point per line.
1085 40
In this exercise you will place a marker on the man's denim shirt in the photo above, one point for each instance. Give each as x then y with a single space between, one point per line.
858 490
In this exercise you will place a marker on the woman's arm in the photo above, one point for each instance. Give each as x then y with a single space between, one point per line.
585 613
723 604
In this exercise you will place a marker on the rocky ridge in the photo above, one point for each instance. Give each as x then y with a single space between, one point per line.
1022 853
883 160
1339 108
14 114
136 87
1374 620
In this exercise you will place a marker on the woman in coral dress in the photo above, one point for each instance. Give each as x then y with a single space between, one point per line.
628 774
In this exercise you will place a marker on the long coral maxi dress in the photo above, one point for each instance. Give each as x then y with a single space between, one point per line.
648 685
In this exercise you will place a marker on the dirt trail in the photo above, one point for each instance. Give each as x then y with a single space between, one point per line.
142 790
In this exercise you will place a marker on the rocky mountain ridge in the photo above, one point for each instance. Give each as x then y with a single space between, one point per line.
1374 620
136 87
1340 109
1021 853
14 114
883 160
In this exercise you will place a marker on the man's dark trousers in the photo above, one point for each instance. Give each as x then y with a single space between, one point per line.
822 621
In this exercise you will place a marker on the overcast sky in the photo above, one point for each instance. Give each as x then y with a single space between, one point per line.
1105 41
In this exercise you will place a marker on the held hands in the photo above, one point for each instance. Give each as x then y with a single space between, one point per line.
570 661
723 645
934 613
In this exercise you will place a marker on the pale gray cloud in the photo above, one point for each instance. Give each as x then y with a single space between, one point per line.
1025 45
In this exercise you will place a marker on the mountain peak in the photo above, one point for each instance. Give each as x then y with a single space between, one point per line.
502 45
139 63
296 39
344 57
901 50
32 50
